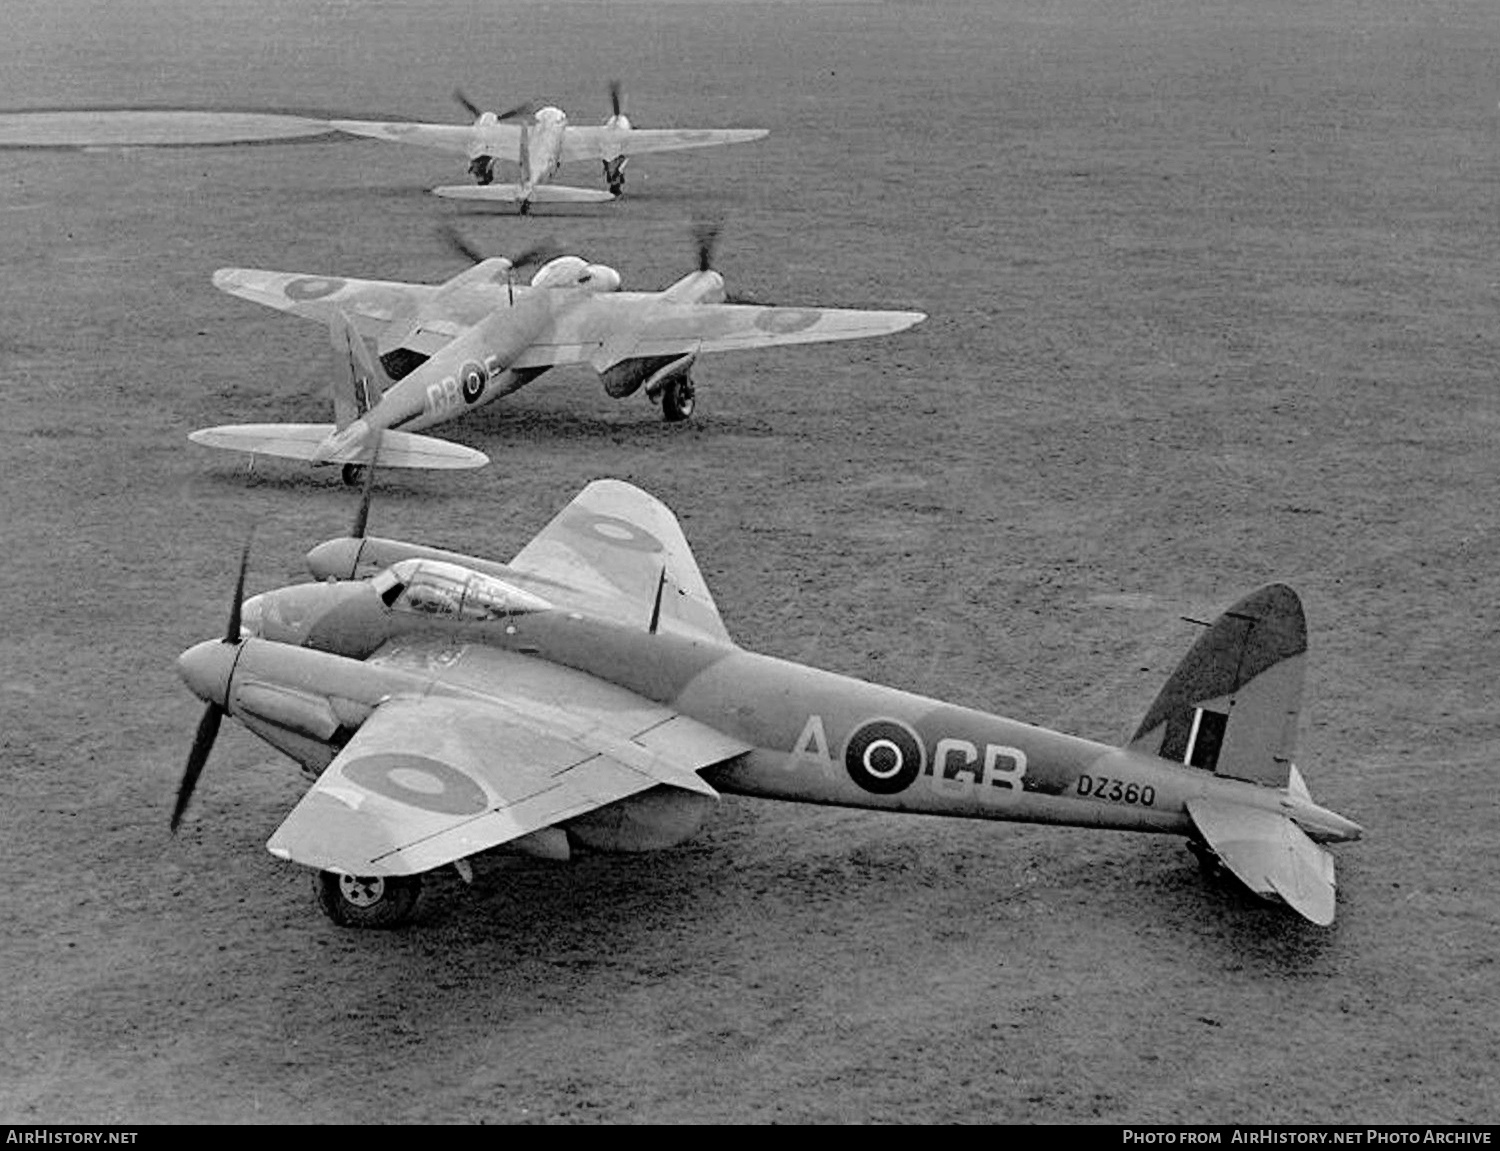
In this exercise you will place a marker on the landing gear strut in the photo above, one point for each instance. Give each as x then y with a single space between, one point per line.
379 901
614 174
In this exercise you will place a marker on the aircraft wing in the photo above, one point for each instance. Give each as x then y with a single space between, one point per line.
622 326
585 142
431 779
372 305
1270 855
501 140
618 552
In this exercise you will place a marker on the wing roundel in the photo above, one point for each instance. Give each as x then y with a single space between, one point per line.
621 553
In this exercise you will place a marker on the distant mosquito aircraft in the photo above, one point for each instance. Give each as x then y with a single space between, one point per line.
445 349
540 140
588 695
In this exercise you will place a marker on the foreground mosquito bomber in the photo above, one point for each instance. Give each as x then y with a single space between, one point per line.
540 140
445 349
588 695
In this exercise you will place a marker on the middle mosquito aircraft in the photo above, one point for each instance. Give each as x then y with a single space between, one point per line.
588 694
445 349
540 140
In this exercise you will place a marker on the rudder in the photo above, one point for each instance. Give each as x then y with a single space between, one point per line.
359 388
1231 706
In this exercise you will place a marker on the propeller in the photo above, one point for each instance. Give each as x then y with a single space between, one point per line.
476 111
526 109
213 714
539 253
706 238
468 105
367 491
616 98
459 243
706 231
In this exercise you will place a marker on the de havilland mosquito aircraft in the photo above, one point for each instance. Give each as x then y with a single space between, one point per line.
587 695
540 140
448 348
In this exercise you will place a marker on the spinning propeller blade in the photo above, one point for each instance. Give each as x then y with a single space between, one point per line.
468 105
616 98
518 112
706 231
460 244
539 253
706 237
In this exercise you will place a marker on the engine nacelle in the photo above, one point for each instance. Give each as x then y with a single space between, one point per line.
626 377
576 272
697 288
655 819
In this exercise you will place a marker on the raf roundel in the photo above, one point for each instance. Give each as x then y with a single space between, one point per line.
472 377
311 288
617 532
884 756
419 782
784 321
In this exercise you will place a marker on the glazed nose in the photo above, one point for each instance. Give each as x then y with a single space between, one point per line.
206 669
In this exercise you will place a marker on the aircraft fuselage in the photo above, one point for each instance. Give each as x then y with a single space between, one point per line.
541 153
817 736
473 370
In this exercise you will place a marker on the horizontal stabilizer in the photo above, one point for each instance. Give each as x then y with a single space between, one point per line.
304 441
514 193
1269 854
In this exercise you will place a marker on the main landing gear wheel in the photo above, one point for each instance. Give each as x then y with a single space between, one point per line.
614 175
482 168
677 399
379 901
352 474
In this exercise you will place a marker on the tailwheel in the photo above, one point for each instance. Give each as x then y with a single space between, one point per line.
677 399
376 901
1208 859
352 474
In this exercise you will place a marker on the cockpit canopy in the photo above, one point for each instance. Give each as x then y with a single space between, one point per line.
432 587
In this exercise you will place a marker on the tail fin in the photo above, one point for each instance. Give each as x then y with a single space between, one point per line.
1231 706
360 387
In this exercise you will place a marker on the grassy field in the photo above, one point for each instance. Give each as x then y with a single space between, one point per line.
1212 294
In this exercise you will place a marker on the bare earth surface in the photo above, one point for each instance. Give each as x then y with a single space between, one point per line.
1213 295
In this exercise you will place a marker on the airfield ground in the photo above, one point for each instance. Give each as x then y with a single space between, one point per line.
1213 295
